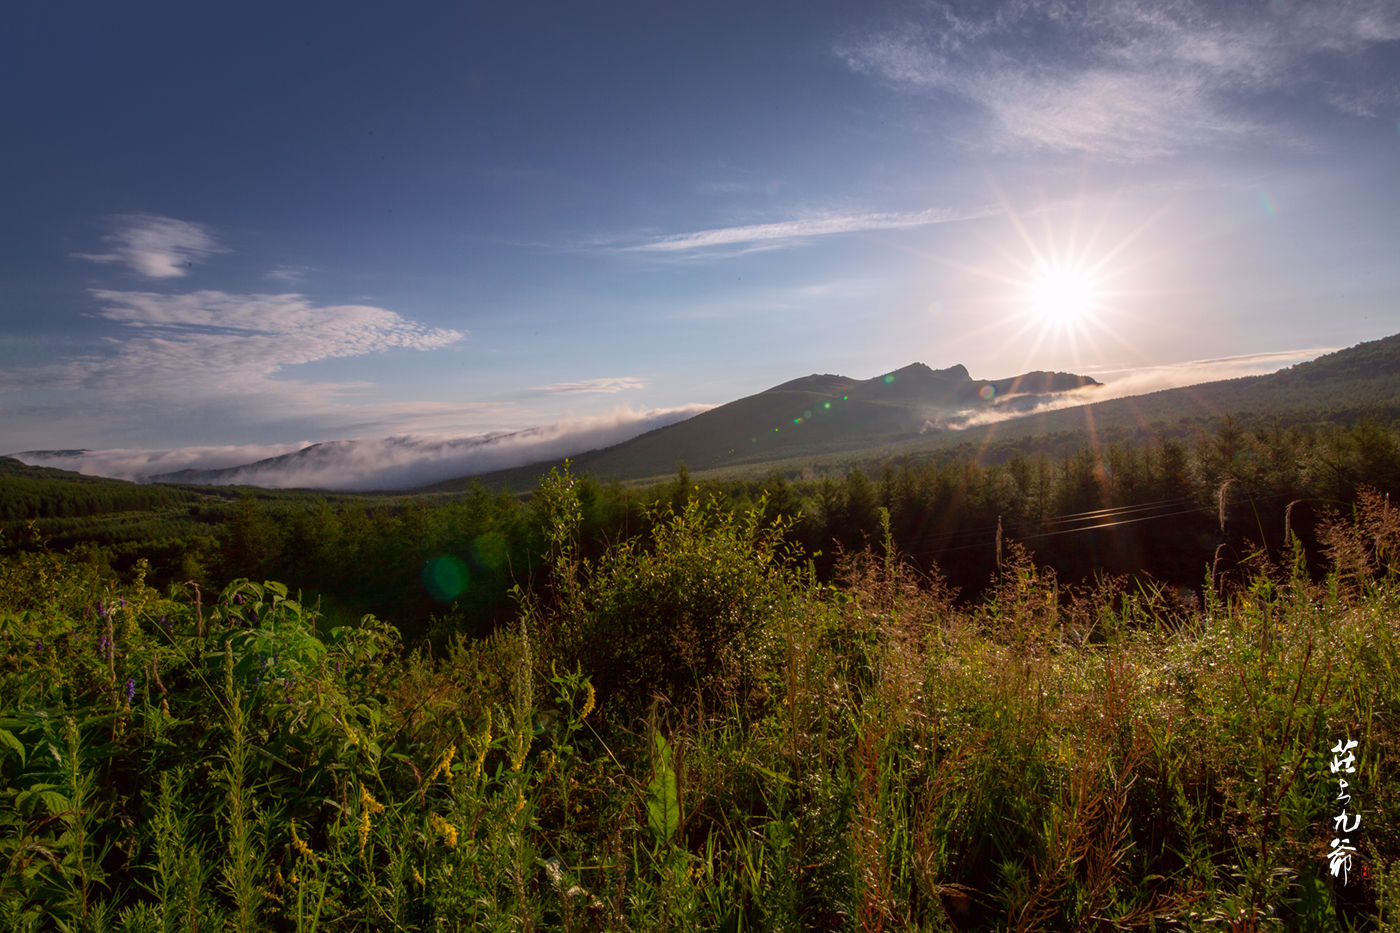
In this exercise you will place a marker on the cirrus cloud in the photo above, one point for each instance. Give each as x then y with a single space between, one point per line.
1130 80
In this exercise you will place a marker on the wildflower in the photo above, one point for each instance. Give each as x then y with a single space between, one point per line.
130 689
444 765
588 700
483 748
39 645
368 807
417 878
446 829
522 748
519 805
302 848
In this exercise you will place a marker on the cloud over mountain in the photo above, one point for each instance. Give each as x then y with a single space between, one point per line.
399 462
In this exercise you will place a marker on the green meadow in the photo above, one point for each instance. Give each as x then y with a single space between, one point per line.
693 729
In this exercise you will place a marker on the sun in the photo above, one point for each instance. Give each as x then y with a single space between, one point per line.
1062 295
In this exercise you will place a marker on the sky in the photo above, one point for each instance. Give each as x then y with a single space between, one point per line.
231 230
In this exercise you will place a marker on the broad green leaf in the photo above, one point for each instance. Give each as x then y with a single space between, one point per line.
9 741
663 802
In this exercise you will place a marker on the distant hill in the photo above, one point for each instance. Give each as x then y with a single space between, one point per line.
1357 382
813 413
816 414
910 412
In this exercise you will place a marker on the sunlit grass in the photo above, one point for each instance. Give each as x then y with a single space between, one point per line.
866 755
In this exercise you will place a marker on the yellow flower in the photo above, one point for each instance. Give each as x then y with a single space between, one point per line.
368 807
522 748
587 702
519 805
444 828
484 746
301 847
417 878
444 766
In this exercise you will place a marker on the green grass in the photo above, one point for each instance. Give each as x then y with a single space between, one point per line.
760 751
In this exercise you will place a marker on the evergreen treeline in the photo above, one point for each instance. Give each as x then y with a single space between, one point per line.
1173 509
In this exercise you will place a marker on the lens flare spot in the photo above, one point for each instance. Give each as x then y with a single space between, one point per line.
987 392
445 578
889 379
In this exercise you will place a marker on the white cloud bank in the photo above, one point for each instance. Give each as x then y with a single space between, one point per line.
400 462
156 247
1130 80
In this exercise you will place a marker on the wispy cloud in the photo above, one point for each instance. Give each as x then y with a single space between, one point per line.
398 462
221 354
156 247
289 275
1126 80
788 232
606 385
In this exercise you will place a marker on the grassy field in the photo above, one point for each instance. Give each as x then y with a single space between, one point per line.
691 733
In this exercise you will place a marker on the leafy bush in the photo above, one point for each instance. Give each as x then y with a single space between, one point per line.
679 613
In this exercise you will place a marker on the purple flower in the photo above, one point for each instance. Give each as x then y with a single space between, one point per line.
130 688
39 645
102 610
238 598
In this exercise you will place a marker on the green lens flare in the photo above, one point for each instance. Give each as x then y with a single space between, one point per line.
445 578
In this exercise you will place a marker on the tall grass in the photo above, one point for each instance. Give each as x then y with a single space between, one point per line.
694 734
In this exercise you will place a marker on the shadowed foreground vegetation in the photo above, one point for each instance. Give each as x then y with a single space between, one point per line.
693 732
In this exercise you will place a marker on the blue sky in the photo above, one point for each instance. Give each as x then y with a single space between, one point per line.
244 227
